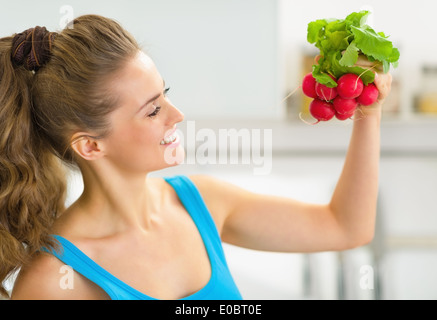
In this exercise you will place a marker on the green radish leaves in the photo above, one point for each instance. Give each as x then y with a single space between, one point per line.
342 41
350 56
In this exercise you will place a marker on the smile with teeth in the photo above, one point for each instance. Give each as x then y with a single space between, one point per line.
169 139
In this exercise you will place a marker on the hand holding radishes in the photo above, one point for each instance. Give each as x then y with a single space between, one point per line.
344 76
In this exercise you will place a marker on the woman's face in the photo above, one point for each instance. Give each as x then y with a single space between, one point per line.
143 137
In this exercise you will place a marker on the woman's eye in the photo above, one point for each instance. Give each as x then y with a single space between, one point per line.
155 112
158 108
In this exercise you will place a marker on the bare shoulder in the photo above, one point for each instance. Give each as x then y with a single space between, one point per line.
47 278
40 279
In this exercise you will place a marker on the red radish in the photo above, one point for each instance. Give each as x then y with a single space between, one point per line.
345 106
344 116
325 93
350 86
369 95
309 86
322 110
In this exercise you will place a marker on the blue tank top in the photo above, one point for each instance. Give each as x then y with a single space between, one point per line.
221 285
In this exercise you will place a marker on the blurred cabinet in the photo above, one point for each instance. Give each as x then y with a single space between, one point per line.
426 98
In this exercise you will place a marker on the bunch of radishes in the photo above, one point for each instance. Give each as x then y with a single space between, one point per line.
340 101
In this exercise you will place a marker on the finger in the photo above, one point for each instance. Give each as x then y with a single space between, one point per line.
363 62
383 83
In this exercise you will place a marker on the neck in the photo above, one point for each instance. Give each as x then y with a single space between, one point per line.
119 201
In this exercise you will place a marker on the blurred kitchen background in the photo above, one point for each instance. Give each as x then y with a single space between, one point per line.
230 64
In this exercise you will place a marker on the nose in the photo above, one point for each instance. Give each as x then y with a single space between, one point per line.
175 115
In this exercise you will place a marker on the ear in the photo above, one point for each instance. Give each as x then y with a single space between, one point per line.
86 146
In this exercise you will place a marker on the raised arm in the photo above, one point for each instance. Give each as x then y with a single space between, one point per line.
265 222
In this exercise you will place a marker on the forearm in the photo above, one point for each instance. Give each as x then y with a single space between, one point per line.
354 200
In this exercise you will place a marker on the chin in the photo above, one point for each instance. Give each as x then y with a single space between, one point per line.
174 156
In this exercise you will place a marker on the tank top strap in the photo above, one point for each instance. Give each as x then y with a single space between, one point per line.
193 202
73 257
189 195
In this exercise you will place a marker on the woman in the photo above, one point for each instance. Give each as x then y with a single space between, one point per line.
90 97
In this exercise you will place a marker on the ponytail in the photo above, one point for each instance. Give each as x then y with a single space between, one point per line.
52 85
32 182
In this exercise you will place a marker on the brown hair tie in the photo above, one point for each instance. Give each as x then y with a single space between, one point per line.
32 47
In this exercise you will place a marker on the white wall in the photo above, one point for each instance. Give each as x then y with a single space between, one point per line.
218 57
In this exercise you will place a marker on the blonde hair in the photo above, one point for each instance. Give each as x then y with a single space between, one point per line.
47 95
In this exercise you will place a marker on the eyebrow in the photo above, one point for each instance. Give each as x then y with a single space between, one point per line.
154 97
